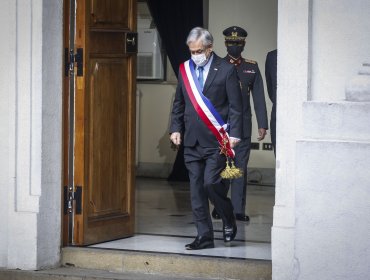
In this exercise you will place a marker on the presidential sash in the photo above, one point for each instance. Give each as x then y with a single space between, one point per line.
205 108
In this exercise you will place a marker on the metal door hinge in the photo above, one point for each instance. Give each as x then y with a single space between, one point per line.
70 58
69 197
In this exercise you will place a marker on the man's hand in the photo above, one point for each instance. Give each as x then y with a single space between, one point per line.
176 138
233 142
261 133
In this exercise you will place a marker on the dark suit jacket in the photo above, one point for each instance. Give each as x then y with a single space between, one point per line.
222 89
271 77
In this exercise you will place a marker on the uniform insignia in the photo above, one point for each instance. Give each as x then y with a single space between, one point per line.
250 61
236 62
249 71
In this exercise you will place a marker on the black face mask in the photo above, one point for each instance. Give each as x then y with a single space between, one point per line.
235 51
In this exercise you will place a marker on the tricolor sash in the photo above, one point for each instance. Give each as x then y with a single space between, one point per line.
205 108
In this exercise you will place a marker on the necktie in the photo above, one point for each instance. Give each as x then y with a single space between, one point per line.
200 76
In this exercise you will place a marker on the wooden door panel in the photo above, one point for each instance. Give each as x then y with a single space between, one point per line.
112 13
107 43
108 138
107 229
104 123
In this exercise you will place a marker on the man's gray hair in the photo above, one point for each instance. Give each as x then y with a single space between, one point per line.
199 33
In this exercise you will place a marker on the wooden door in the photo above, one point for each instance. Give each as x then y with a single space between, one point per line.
99 115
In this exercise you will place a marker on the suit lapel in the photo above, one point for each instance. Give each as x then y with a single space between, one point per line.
212 72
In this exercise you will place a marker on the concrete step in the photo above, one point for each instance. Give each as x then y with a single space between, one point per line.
67 273
166 264
336 120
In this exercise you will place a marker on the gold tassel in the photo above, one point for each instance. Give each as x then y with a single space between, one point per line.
231 171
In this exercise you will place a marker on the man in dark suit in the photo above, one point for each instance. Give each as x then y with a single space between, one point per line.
251 83
206 80
271 78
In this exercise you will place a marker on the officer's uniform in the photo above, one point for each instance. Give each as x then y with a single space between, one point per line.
251 84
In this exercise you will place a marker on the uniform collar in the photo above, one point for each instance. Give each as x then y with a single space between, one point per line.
235 61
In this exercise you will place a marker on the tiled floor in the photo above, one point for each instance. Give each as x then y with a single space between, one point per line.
164 223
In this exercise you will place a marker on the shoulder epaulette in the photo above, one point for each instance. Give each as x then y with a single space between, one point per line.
250 61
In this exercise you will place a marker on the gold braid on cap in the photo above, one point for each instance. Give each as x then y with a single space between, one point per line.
234 37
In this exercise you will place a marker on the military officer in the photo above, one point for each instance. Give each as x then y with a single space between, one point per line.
251 83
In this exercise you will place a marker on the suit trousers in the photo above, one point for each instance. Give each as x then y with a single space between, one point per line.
204 166
239 185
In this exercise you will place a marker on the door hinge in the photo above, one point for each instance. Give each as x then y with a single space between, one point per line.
70 58
69 197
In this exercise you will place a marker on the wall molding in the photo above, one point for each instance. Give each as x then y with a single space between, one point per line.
28 108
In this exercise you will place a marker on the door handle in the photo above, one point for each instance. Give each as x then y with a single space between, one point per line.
131 42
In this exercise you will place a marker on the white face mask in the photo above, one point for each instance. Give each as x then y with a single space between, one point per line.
199 59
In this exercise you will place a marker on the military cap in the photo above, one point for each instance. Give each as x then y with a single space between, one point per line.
235 33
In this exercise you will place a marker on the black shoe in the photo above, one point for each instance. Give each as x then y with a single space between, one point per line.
229 232
215 215
200 242
242 217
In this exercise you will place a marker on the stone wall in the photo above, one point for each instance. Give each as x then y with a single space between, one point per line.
30 144
321 226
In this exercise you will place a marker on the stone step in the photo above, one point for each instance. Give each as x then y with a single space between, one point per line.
67 273
342 120
166 264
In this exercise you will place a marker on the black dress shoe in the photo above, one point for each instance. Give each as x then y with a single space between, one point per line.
215 215
229 233
200 242
242 217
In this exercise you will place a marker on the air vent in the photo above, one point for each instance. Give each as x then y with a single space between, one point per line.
145 66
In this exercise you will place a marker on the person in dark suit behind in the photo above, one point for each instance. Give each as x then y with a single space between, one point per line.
271 81
251 83
212 81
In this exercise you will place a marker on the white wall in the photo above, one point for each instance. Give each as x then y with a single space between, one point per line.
30 145
259 18
155 156
292 91
335 54
332 210
6 20
49 217
321 228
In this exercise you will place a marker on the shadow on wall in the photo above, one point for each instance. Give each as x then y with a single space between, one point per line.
161 163
166 149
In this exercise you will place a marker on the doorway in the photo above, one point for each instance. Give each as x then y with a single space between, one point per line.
155 155
178 224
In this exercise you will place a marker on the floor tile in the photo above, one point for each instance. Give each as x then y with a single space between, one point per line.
164 222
